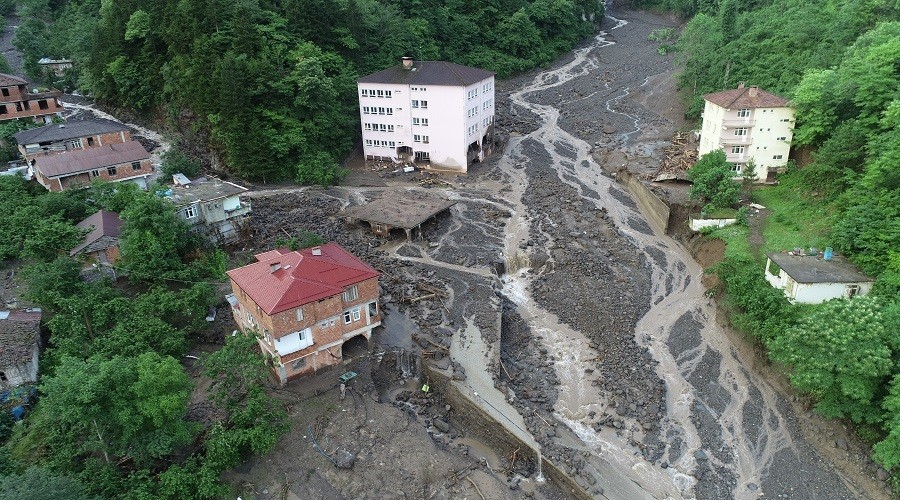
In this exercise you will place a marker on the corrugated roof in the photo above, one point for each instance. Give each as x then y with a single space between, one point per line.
102 223
68 130
815 269
10 80
429 73
82 160
19 332
740 98
299 277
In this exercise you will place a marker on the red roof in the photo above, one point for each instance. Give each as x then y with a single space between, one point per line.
82 160
282 280
746 98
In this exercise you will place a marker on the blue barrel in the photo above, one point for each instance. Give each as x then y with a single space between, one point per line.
828 253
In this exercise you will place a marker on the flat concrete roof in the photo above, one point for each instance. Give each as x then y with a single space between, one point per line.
404 209
204 189
815 269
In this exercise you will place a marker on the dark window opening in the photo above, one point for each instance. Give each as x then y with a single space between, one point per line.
3 110
18 106
5 92
2 374
111 171
90 141
135 165
42 104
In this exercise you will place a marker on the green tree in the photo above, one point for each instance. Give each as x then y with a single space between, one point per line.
714 181
37 482
118 407
154 241
841 352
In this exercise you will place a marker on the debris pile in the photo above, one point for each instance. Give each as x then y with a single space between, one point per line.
677 159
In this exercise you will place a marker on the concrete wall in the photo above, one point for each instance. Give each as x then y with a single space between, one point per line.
816 293
653 207
21 374
478 423
698 224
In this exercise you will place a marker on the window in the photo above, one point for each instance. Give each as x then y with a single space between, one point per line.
852 291
472 112
42 104
351 294
135 165
368 110
299 314
785 119
2 374
95 173
487 86
422 122
423 156
369 142
367 126
419 104
473 129
364 92
415 103
76 144
379 93
737 150
111 171
414 89
778 157
347 318
189 212
782 138
355 312
373 309
743 113
740 131
420 138
736 168
325 323
472 94
3 109
5 92
251 321
487 104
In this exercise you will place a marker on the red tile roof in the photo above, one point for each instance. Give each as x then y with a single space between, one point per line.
740 98
82 160
299 277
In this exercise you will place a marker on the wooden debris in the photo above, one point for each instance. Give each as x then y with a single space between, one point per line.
678 158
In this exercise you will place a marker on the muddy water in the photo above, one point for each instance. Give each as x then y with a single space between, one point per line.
719 419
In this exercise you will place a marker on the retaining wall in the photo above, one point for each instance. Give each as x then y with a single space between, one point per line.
653 207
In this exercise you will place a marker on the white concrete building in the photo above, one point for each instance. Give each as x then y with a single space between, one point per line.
437 114
810 279
747 122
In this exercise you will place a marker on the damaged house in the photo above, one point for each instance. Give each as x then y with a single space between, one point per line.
126 162
19 347
306 305
211 206
16 101
59 138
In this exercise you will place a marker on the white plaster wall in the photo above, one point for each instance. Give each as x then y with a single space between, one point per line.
766 143
712 128
816 293
698 224
447 128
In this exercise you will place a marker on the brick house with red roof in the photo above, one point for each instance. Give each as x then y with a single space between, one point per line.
305 305
748 122
125 162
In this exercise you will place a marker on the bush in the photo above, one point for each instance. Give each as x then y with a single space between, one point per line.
713 181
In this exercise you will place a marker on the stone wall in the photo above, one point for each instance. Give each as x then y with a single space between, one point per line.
654 208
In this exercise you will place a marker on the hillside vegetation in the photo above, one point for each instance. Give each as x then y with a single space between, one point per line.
839 62
274 81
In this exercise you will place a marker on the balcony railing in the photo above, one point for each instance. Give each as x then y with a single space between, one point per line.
738 123
735 139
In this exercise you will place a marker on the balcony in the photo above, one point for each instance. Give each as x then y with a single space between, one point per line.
735 139
738 123
736 157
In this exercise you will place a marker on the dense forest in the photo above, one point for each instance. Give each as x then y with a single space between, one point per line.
273 82
839 63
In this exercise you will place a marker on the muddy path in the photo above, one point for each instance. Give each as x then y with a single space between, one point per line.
668 404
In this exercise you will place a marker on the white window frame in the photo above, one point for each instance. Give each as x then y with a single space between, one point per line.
190 212
778 157
737 150
299 314
347 317
350 294
355 312
743 113
740 132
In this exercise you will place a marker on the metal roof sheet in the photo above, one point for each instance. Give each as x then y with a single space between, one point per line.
82 160
429 73
69 130
281 280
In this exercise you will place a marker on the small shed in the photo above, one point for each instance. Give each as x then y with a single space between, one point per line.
19 345
406 210
811 279
101 244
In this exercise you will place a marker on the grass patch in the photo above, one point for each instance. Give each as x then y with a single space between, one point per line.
722 213
797 219
736 243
